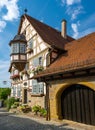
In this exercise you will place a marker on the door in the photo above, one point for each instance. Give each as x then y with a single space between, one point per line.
25 95
78 104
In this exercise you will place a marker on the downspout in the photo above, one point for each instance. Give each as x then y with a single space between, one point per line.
47 102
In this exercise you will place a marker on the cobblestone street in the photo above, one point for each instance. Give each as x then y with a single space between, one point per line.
12 122
9 121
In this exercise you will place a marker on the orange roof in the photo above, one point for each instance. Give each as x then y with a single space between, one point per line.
50 35
80 54
77 51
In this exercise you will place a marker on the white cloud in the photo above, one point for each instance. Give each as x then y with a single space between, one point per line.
74 26
76 12
12 9
2 25
11 14
73 12
71 2
73 8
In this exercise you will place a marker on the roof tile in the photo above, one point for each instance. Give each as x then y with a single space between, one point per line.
80 54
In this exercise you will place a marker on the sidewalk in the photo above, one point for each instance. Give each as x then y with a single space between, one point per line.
3 109
71 124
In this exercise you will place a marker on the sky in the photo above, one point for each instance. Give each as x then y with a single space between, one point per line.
79 14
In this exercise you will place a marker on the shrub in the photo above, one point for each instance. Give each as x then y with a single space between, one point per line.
43 112
15 105
25 108
36 109
10 102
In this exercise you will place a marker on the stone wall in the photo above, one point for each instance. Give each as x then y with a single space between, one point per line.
36 100
57 87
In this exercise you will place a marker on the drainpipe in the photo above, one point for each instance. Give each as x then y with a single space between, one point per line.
47 102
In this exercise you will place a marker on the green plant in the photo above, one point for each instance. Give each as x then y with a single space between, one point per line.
43 112
4 93
36 109
15 105
10 102
25 108
40 68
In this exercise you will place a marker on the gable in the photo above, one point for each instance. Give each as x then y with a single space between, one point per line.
48 34
30 32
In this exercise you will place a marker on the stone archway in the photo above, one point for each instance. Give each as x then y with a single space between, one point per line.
78 104
55 92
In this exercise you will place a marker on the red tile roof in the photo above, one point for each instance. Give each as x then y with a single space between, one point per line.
50 35
80 54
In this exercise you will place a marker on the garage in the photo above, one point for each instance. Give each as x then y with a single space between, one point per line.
78 104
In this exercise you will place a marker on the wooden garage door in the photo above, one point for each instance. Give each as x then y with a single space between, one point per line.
78 104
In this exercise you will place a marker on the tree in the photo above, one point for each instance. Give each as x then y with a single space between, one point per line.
4 93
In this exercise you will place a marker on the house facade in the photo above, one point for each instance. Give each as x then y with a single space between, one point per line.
32 50
70 82
53 70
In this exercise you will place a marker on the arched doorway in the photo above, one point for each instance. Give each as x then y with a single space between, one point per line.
78 104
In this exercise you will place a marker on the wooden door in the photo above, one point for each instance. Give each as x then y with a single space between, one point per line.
78 104
25 95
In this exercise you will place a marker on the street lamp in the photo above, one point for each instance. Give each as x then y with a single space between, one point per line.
5 82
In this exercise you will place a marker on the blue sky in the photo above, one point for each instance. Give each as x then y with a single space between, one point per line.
80 16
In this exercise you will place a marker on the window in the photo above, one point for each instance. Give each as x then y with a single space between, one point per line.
30 44
40 61
15 48
19 91
22 48
37 88
18 48
14 91
35 62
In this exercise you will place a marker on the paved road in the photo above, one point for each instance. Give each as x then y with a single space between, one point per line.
14 122
10 121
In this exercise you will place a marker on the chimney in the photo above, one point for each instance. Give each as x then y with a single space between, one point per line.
63 29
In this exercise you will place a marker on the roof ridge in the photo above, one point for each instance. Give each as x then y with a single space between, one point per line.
50 35
42 23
